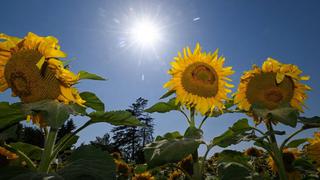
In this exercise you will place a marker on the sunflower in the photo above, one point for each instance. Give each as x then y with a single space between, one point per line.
272 85
122 168
288 157
313 149
31 68
176 175
200 80
253 152
9 155
143 176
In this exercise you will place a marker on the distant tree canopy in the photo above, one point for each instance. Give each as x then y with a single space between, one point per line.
127 139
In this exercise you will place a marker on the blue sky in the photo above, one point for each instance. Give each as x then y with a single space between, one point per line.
246 32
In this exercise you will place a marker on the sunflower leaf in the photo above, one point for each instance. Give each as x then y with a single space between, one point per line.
54 113
163 107
169 136
310 122
297 142
117 118
17 172
10 114
169 151
234 134
283 114
32 151
87 75
92 101
167 94
89 162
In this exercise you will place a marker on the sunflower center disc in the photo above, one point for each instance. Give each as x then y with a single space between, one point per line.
200 79
26 80
262 89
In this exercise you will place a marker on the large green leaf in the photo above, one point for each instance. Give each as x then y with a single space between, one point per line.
92 101
32 151
89 162
234 156
18 173
193 132
55 113
284 114
297 142
163 107
233 170
234 134
10 114
86 75
116 118
169 151
9 133
169 136
310 122
167 94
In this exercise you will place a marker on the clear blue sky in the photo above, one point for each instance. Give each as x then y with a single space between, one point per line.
246 32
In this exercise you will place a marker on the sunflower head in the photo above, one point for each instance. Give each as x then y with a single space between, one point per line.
288 157
200 80
143 176
7 154
122 168
175 175
187 164
271 86
31 68
313 149
253 152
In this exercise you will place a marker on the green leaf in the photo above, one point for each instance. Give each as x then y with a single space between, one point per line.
263 144
117 118
285 114
92 101
10 114
310 122
86 75
88 162
232 170
140 168
169 151
9 133
54 113
163 107
78 109
32 151
297 142
169 136
193 132
18 173
234 156
233 135
73 140
167 94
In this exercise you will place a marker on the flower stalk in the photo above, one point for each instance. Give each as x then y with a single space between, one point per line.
46 158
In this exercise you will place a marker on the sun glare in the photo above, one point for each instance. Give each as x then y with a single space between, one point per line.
145 33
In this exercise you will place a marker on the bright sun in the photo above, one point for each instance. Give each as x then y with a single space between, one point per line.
145 33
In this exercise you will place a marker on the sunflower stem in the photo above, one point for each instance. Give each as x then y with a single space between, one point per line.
277 153
21 155
203 121
48 149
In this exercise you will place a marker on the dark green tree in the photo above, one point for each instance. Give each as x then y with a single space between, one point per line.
130 140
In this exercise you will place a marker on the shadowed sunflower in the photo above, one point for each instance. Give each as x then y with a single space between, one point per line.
253 152
288 156
9 155
313 149
143 176
271 86
176 175
31 68
200 80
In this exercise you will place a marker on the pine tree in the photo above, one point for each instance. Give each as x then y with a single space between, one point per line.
130 139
